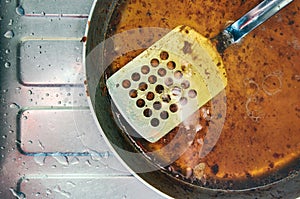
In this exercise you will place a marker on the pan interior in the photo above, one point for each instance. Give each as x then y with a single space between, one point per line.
259 142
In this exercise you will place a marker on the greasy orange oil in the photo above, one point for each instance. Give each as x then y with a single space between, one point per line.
261 134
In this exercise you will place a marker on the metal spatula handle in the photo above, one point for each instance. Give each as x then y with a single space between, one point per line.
248 22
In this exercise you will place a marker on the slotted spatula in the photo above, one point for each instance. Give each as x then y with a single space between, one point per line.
178 74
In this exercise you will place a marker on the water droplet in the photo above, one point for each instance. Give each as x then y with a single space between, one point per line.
71 183
48 192
14 106
1 18
95 156
30 92
10 23
4 136
40 159
2 147
74 161
61 159
7 51
62 192
18 195
20 10
7 1
18 142
10 131
106 154
9 34
88 163
41 145
7 65
18 88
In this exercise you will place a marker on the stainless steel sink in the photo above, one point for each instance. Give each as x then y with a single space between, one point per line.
50 146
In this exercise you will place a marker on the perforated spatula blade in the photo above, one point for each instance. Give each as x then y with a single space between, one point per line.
168 82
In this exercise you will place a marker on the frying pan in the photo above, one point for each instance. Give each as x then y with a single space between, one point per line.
99 29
